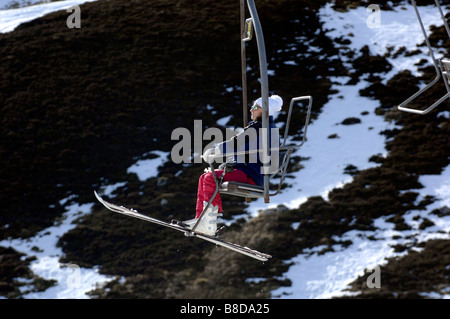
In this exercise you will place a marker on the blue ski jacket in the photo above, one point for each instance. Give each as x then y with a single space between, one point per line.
250 140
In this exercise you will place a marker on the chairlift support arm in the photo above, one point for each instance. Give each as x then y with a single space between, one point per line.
264 92
442 68
248 27
244 38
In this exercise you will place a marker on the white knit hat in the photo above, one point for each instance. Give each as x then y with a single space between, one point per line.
275 104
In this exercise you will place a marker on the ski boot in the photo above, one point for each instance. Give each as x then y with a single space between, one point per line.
208 223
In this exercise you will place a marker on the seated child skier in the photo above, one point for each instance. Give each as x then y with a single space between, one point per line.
250 172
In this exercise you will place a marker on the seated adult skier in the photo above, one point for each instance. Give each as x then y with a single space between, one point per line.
246 169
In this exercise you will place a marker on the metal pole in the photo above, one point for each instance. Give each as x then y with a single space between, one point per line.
244 66
264 95
402 107
443 17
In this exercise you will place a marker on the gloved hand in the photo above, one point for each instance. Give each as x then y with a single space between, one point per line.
210 154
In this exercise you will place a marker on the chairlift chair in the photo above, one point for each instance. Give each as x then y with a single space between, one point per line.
442 67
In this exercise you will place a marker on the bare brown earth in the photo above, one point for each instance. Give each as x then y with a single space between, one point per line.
79 106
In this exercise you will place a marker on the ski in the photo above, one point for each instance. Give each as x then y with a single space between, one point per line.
216 240
237 248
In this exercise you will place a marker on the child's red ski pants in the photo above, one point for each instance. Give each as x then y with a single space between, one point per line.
207 187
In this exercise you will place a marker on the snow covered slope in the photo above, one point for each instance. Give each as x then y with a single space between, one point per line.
327 275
